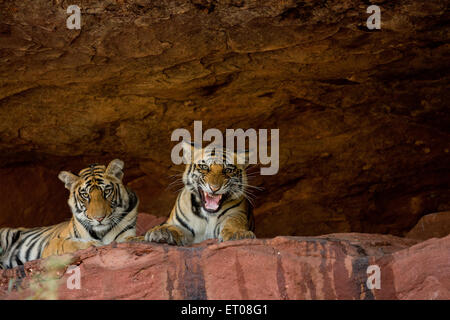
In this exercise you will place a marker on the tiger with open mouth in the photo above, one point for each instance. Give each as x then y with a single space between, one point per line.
214 202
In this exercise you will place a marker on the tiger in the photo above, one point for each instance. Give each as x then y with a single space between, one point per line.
103 211
213 203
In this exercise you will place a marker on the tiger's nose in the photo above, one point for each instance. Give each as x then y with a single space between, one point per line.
99 219
214 187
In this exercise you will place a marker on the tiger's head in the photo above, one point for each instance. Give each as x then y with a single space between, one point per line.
215 175
98 197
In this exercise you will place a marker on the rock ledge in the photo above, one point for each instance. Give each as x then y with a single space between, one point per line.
326 267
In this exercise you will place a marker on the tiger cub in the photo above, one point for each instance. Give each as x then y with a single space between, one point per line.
212 204
103 210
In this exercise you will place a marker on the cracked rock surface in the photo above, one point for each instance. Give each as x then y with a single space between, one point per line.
327 267
363 115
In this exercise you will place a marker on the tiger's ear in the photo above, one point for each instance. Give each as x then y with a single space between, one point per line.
68 178
115 169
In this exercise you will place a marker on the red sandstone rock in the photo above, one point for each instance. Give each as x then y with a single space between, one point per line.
431 226
327 267
146 221
420 272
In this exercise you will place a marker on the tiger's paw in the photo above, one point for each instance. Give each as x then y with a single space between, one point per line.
164 234
238 235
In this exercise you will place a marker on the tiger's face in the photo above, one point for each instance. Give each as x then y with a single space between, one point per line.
97 196
215 177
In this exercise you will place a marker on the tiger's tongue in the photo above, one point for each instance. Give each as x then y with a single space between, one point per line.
211 201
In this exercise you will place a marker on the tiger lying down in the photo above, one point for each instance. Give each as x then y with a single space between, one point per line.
103 211
213 203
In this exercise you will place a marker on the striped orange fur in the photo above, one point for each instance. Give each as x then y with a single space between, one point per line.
212 204
103 210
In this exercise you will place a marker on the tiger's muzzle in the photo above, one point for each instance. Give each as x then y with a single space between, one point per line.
98 207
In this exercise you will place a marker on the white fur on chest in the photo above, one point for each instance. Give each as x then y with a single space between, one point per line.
205 229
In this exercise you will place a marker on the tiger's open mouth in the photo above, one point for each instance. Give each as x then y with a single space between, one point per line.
211 202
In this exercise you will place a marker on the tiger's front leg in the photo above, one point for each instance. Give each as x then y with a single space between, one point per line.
134 239
235 227
129 236
169 234
59 246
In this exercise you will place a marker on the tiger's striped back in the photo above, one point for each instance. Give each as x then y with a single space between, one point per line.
21 245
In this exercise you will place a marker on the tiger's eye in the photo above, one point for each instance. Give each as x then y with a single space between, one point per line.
203 167
84 194
227 170
107 191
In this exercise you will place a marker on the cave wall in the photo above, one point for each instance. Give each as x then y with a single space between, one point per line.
363 115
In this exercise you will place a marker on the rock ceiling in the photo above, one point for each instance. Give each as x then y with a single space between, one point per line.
363 114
